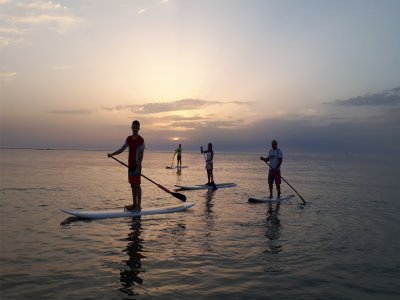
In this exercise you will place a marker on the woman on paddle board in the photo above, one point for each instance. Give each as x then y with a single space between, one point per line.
274 158
178 151
136 149
209 163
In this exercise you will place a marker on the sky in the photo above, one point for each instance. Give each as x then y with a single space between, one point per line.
318 76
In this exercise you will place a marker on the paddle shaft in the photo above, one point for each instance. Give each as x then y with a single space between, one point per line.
304 201
176 195
172 162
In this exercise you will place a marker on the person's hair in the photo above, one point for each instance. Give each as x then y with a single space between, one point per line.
136 122
274 142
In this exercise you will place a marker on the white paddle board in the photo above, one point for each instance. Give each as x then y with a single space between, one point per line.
270 200
204 186
122 213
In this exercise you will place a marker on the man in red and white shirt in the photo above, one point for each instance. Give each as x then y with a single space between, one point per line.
136 149
274 158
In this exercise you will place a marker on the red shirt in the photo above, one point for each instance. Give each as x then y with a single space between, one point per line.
135 147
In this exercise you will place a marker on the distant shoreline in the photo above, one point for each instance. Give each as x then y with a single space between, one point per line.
50 149
345 155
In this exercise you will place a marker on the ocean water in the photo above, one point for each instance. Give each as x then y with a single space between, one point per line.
343 244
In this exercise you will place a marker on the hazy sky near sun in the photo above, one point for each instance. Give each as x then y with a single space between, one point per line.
316 75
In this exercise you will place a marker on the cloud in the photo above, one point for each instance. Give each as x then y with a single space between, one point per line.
18 19
56 68
167 117
185 104
188 123
72 112
377 136
143 10
353 133
203 123
305 136
192 118
8 76
179 105
357 132
388 98
12 30
11 36
242 102
41 5
58 22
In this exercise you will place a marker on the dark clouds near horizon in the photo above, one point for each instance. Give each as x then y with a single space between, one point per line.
367 136
375 133
388 98
362 124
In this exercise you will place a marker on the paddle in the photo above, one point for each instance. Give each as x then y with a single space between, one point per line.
176 195
173 158
304 202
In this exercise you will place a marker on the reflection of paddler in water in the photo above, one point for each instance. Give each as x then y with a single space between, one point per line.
273 227
130 276
178 171
209 196
208 218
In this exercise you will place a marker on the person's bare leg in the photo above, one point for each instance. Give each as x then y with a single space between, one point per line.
137 196
271 187
278 188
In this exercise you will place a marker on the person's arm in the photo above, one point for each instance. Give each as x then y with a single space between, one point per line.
119 151
265 159
140 159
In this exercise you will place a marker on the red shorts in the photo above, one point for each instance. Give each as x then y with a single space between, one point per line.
274 176
134 178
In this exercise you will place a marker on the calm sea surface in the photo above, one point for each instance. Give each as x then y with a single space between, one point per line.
343 244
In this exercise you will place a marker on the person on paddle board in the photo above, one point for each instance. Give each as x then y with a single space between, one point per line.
274 158
209 163
136 149
178 151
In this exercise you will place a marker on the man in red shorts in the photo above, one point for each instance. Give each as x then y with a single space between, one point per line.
136 149
274 158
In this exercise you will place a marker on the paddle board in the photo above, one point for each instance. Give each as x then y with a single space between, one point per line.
122 213
175 167
270 200
205 187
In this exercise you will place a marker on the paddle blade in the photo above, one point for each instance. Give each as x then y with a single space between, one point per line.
179 196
